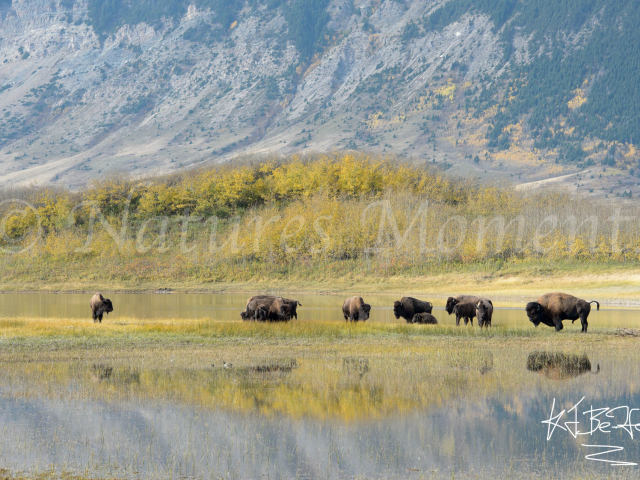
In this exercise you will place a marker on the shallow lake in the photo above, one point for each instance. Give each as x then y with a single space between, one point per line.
130 422
428 408
228 307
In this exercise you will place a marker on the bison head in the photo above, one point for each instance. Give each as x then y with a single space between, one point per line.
398 309
107 305
451 302
245 315
534 312
416 318
364 312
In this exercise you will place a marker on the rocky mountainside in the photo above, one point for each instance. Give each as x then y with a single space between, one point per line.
86 92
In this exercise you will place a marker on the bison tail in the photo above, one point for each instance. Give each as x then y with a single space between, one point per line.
597 304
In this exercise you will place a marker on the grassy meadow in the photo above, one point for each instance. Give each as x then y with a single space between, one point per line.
315 223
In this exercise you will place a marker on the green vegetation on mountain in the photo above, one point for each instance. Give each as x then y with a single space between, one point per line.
580 81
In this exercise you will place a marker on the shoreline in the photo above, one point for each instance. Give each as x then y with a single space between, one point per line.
621 288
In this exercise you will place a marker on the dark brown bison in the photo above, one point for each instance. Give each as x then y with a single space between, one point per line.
293 303
466 311
425 318
552 308
355 309
99 306
484 312
452 301
407 307
267 308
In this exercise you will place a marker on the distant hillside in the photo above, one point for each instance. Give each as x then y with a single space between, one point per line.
523 90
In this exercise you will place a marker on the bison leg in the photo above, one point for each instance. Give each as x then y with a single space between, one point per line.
100 318
558 324
585 324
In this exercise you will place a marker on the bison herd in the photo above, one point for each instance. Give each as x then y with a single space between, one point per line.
550 309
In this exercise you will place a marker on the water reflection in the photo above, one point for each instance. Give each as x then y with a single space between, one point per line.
228 307
479 438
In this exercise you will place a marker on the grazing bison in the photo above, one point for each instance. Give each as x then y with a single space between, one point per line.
407 307
453 301
425 318
484 312
294 306
552 308
466 311
293 303
355 309
267 308
99 306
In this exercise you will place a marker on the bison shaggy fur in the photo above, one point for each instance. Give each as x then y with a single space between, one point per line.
484 312
99 306
425 318
466 311
552 308
407 307
355 309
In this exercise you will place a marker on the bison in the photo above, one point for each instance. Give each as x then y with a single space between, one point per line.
293 303
264 308
99 306
466 311
425 318
552 308
452 301
355 309
408 307
484 312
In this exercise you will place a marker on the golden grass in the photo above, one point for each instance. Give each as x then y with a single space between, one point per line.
18 328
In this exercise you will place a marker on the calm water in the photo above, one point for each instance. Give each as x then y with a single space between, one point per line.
497 435
228 307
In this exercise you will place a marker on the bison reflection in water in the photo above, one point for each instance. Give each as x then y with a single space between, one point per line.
559 366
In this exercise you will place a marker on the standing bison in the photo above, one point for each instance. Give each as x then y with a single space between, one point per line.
484 312
452 301
466 311
267 308
355 309
552 308
407 307
251 314
99 306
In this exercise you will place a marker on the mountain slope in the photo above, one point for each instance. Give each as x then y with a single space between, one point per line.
514 89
